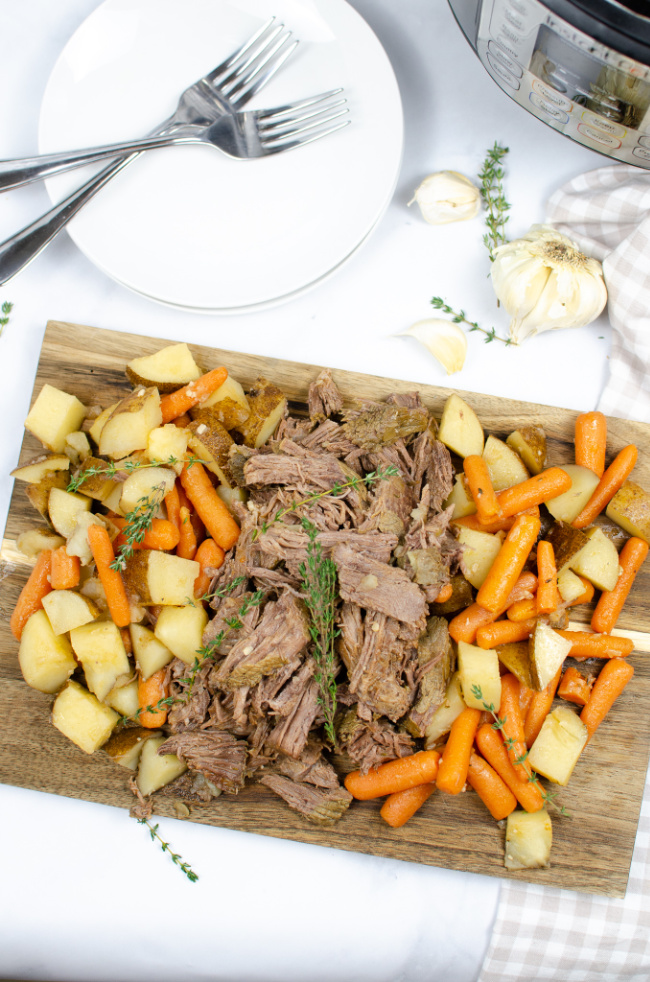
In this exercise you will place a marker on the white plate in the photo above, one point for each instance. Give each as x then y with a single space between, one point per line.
188 226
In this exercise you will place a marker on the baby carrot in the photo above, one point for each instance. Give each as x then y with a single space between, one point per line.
150 692
211 557
161 534
480 488
463 626
504 632
402 805
173 505
491 745
522 610
211 509
496 524
512 728
186 548
591 441
587 645
452 772
539 708
548 597
509 563
445 594
534 491
197 524
31 595
491 789
574 687
176 403
116 598
611 602
585 597
612 480
66 570
394 775
613 678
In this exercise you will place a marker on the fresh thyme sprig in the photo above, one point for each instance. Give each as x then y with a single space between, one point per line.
174 856
459 317
491 178
318 575
5 310
125 467
137 523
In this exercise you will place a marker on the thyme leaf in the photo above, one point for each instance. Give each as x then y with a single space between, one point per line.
137 523
491 178
165 846
5 310
459 317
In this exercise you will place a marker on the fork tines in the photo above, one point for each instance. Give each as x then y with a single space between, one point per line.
302 122
252 65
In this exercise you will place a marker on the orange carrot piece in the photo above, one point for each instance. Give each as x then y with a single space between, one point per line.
150 692
197 524
445 594
66 570
548 597
522 610
394 775
186 548
611 602
173 506
402 805
574 687
509 563
211 509
31 596
591 441
613 678
586 645
480 487
126 640
210 556
176 403
496 525
525 698
504 632
161 534
585 597
534 491
513 725
463 626
540 707
491 789
611 481
111 579
454 765
491 745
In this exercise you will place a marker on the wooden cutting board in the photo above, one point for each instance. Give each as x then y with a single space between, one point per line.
592 849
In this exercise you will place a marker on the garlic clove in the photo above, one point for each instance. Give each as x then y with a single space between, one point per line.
443 339
447 196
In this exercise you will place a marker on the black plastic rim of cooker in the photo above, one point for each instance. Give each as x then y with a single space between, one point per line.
625 27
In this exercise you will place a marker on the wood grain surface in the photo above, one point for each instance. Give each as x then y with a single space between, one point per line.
592 849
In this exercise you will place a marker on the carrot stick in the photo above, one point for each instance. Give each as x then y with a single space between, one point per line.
463 626
150 692
540 707
496 525
534 491
31 596
66 570
491 745
126 640
522 610
161 534
480 487
586 645
210 556
173 506
504 632
394 775
454 765
509 563
211 509
491 789
548 597
574 687
591 441
445 594
186 548
111 579
197 524
512 728
402 805
611 602
525 698
176 403
613 678
611 481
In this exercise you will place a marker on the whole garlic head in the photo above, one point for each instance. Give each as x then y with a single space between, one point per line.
447 196
545 282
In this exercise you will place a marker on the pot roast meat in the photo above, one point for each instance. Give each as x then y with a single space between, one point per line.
215 754
384 424
370 743
379 677
321 806
299 710
323 396
288 543
436 662
310 766
390 506
376 586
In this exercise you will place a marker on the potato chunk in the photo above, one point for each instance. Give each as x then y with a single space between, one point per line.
529 837
460 429
630 508
67 609
505 466
480 549
100 649
150 653
169 368
556 750
53 416
181 630
530 443
33 541
36 468
156 770
569 504
125 747
82 718
160 577
64 507
460 499
446 713
128 426
151 483
45 658
267 407
598 561
166 443
211 443
478 668
124 698
547 650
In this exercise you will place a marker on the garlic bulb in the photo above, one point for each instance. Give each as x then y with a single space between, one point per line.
447 197
545 283
444 339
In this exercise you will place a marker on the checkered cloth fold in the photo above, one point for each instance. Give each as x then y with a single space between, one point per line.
558 935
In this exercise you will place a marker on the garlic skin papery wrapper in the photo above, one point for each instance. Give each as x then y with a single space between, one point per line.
443 339
447 196
545 283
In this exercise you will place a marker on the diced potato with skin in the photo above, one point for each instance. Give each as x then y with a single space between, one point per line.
227 405
529 837
98 423
152 483
460 429
54 414
569 504
77 446
100 649
630 508
446 713
124 699
211 444
570 586
64 508
35 469
45 658
150 653
460 499
168 442
267 407
168 369
33 541
515 657
558 746
128 426
181 630
82 718
231 389
160 578
530 443
567 542
156 770
96 485
598 561
480 549
478 668
39 494
125 746
67 609
505 466
547 651
112 500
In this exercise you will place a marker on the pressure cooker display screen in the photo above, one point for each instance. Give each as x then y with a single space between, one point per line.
605 90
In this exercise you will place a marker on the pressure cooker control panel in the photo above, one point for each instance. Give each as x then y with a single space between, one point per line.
584 89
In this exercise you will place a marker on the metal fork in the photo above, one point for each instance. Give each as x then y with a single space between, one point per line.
224 90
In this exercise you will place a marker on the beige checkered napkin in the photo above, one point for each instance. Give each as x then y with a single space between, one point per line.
557 935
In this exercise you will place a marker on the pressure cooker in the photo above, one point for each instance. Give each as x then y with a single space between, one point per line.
581 66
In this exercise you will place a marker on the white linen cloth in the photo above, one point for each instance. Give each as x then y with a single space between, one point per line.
559 935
